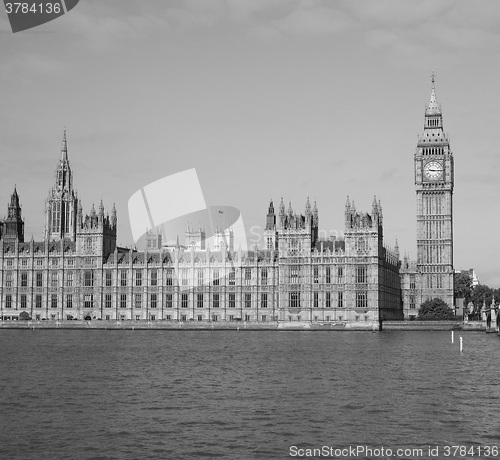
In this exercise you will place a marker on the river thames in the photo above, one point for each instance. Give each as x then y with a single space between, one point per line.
94 394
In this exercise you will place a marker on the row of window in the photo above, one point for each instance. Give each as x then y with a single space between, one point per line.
138 300
38 301
294 300
138 280
361 299
53 261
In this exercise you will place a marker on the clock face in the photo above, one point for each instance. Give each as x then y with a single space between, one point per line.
433 170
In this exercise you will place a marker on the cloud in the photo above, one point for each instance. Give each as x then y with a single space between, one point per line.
389 14
397 41
268 17
401 26
314 21
454 37
418 28
103 25
31 64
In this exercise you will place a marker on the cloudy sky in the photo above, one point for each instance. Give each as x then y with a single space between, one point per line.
265 98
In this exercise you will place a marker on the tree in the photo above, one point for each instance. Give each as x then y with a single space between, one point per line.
435 309
496 293
463 286
481 294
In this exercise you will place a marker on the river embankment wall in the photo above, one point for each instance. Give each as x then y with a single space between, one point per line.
247 325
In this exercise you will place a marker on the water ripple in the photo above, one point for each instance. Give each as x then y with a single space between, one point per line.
157 394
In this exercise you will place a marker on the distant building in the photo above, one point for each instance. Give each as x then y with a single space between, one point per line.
472 273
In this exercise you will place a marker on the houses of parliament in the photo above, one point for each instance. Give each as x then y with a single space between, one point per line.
78 272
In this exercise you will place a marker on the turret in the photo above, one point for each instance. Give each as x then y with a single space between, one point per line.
79 215
270 230
308 213
195 238
271 218
347 213
153 239
96 234
282 213
374 207
113 217
13 225
314 225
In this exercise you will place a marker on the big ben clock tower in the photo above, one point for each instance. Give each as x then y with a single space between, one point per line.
434 187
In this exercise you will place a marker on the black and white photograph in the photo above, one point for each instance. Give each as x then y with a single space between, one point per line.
249 229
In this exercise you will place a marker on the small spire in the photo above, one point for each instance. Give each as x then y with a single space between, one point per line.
290 210
433 107
14 199
101 209
308 206
64 147
282 206
315 214
113 215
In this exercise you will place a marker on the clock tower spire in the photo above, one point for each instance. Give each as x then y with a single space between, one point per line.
434 181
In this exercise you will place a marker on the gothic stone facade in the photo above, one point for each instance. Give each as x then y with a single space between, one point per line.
78 272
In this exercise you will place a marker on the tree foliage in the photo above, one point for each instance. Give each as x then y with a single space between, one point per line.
435 309
481 294
463 286
496 293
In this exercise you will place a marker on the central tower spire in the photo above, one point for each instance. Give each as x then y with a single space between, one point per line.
61 205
